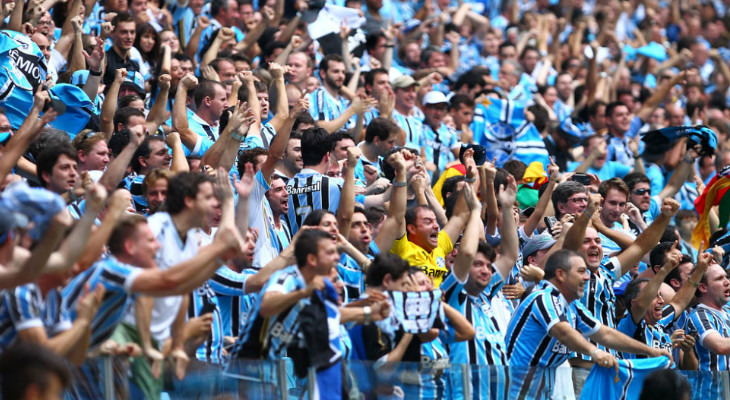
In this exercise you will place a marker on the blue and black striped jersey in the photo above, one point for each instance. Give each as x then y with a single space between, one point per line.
703 321
118 279
308 191
599 298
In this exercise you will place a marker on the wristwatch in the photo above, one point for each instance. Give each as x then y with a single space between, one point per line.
366 310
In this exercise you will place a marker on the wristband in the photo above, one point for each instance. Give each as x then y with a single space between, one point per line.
239 138
693 283
94 73
400 184
593 355
469 180
366 310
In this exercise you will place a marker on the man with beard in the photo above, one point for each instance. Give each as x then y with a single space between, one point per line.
599 297
326 104
291 163
405 88
378 87
550 324
154 188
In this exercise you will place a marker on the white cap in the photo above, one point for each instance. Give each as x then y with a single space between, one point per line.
434 97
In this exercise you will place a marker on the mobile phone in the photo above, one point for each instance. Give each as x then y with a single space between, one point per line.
550 223
583 179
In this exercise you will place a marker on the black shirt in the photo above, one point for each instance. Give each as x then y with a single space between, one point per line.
113 62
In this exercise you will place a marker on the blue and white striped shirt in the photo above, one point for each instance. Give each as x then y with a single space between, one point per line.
118 279
703 321
325 107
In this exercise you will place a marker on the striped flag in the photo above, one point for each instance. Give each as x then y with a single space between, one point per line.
713 195
416 311
501 127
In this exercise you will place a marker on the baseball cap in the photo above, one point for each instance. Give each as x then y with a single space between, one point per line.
536 243
404 81
434 97
135 81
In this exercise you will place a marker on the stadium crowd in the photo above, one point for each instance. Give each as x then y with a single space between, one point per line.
193 185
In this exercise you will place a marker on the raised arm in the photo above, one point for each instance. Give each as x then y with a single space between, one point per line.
188 275
576 233
686 293
191 48
282 101
25 265
109 107
76 56
553 173
640 305
346 206
115 170
94 63
72 248
510 246
224 35
243 188
649 238
158 113
470 239
31 128
180 113
656 99
394 226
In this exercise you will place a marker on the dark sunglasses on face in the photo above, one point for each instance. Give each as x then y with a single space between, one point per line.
641 192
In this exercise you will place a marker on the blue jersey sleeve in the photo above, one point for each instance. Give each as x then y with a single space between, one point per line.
547 311
585 322
228 282
25 306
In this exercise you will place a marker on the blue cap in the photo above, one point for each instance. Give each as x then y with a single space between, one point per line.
135 81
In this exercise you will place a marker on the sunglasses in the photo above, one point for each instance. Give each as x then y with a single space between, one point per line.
641 192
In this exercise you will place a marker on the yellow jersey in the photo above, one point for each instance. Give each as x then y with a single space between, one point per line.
434 262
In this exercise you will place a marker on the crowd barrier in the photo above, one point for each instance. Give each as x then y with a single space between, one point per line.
366 380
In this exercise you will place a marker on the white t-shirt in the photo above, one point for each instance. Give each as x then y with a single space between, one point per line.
172 252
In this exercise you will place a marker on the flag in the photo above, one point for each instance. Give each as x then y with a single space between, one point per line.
501 127
604 383
416 311
713 195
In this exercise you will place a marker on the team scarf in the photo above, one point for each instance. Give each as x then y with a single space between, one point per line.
416 311
661 140
713 195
